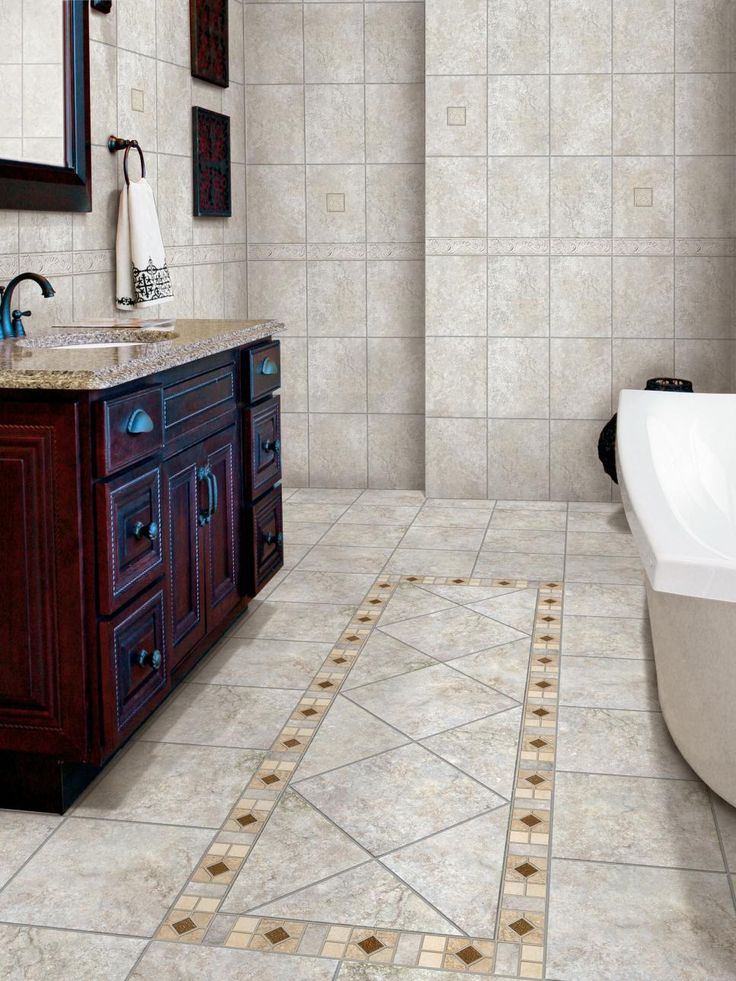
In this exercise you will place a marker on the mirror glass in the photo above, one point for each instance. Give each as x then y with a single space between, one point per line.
32 81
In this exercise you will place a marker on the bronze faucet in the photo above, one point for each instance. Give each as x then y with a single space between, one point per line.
11 324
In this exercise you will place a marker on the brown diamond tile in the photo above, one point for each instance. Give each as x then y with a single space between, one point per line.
543 684
526 869
530 821
411 579
340 660
371 944
184 926
540 712
271 778
246 819
326 684
217 869
549 602
521 927
468 955
310 711
384 585
276 936
352 637
538 743
458 581
545 660
365 619
549 619
535 779
375 602
546 638
291 743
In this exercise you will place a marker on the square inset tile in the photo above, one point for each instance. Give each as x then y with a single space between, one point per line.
456 115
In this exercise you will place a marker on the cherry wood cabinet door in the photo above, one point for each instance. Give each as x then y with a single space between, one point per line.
222 490
42 644
184 513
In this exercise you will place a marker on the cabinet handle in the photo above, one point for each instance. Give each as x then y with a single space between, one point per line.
154 657
268 367
205 473
139 422
149 531
271 445
270 539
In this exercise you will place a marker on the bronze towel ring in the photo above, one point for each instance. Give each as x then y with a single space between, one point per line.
115 143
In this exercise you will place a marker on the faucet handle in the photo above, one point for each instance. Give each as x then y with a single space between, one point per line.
17 315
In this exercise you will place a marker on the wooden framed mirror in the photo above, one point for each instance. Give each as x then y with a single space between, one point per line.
45 162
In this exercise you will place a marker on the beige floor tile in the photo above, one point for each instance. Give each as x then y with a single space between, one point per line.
485 749
223 715
527 519
325 495
262 663
392 498
437 517
636 821
451 633
166 784
182 962
369 894
306 513
470 504
611 922
549 542
602 682
519 565
318 587
380 514
531 505
610 521
409 601
428 536
347 734
459 870
726 818
618 742
429 700
37 954
430 562
391 800
515 609
21 832
503 667
345 558
297 847
592 599
597 543
305 532
296 621
375 972
374 536
616 569
104 876
596 636
384 657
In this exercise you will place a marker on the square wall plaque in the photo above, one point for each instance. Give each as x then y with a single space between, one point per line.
211 164
208 32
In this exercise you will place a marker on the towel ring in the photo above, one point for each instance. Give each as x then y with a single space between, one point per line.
115 143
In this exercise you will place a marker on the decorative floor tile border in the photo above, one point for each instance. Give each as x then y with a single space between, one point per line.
518 948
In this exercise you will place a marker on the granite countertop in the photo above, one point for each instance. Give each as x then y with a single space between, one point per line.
38 362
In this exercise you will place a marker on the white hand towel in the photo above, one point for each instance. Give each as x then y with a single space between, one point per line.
142 275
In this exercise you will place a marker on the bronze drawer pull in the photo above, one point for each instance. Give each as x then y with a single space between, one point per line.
271 539
149 531
139 422
155 658
271 445
268 367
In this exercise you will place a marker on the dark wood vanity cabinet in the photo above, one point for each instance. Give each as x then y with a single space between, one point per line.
140 521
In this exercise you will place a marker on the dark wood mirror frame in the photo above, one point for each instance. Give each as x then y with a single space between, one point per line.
45 187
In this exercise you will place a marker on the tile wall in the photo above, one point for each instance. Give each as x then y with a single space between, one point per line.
139 57
335 174
581 215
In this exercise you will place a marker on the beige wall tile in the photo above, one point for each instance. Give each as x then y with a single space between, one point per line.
137 27
643 197
394 123
395 298
208 281
295 454
394 42
581 197
456 32
39 231
338 449
335 124
456 454
575 470
518 459
396 452
635 361
395 202
456 197
333 42
580 382
581 114
396 375
518 114
518 197
643 114
705 296
643 35
174 199
295 387
273 43
643 296
706 363
456 115
337 374
704 202
705 113
275 124
137 72
580 35
337 298
175 122
518 37
518 296
704 32
336 203
456 295
278 288
103 91
518 378
456 376
580 296
276 210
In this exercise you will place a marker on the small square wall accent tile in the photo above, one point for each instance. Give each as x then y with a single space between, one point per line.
137 100
335 202
456 116
643 197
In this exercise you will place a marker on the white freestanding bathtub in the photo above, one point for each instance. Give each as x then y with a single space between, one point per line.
676 461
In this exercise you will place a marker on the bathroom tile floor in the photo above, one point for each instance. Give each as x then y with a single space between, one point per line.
431 748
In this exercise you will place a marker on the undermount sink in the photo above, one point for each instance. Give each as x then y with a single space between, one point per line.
102 338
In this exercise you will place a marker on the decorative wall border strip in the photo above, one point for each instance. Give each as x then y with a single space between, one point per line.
581 246
338 251
518 948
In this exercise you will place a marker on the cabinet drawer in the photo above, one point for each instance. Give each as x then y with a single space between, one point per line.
129 535
135 667
130 429
262 447
262 370
195 402
267 539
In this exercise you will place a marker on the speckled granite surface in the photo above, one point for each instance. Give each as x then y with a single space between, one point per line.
39 361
